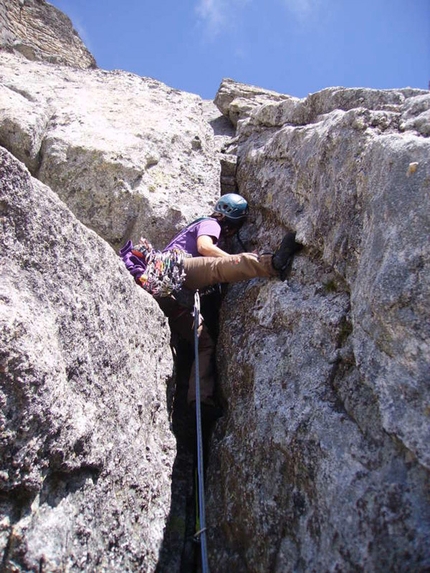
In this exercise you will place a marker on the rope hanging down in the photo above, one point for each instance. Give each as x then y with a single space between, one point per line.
200 475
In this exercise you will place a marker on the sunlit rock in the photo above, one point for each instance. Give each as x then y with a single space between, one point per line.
323 458
86 448
39 31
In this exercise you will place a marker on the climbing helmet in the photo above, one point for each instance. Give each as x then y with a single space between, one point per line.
233 206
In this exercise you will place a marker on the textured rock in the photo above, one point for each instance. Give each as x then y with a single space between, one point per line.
86 449
236 100
39 31
129 155
224 133
389 107
323 460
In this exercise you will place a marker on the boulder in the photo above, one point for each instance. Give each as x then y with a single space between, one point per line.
129 155
236 100
385 105
39 31
86 447
323 458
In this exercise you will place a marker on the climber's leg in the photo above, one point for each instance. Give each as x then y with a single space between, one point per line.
206 271
206 369
183 324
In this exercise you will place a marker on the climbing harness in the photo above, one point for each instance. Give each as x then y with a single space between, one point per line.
201 488
159 273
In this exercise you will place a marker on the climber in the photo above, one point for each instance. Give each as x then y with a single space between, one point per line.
192 260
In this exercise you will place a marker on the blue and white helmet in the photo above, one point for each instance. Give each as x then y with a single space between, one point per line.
233 206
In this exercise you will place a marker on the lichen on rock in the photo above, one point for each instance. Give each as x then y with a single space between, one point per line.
321 461
86 445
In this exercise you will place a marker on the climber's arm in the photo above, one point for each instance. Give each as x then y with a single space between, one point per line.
207 248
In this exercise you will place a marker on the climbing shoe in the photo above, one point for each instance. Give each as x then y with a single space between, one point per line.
284 255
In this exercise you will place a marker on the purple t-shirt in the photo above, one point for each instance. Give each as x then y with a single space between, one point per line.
187 239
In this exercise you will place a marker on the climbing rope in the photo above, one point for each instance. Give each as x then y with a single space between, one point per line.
201 488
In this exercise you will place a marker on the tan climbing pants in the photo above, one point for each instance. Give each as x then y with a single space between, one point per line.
206 271
202 272
181 321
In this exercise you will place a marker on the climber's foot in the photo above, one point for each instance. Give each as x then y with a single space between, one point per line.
284 255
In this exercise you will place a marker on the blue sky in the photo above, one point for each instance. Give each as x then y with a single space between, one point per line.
294 47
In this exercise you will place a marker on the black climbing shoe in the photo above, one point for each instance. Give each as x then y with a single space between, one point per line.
284 255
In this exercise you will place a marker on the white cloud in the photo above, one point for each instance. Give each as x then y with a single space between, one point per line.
212 13
219 16
216 15
303 9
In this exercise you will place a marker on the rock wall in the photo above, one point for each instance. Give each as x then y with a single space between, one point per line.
95 482
236 100
86 446
39 31
128 155
322 463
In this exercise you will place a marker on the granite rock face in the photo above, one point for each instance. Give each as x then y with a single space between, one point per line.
129 155
39 31
90 459
236 100
224 133
323 460
86 447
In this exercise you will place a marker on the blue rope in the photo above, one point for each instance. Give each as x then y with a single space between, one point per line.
201 487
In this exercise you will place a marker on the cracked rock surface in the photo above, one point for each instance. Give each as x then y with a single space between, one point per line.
86 446
39 31
129 155
321 461
325 448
